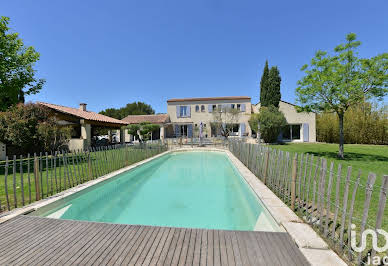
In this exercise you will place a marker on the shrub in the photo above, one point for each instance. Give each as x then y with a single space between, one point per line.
363 124
271 123
30 128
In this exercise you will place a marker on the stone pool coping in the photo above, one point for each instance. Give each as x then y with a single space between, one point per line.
313 247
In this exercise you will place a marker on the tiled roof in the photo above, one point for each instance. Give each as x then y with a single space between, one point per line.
157 119
87 115
210 99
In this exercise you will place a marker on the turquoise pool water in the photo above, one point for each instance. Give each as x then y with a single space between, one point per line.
180 189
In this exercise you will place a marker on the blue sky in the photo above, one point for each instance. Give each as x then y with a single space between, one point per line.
109 53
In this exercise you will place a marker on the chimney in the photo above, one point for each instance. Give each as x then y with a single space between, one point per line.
82 106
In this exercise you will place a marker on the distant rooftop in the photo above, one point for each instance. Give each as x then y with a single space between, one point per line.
210 99
82 113
156 119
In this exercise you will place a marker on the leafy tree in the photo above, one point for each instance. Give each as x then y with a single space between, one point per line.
145 129
254 121
17 75
264 84
271 123
274 80
334 83
31 128
223 120
135 108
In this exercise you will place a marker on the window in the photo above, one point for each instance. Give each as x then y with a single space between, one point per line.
291 132
202 108
232 106
183 111
214 107
197 108
233 129
295 132
239 106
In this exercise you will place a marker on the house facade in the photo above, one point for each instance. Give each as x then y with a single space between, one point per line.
301 127
186 115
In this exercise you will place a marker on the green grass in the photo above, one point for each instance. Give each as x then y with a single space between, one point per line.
368 158
54 180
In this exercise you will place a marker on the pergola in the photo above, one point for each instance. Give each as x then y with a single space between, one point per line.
85 124
160 119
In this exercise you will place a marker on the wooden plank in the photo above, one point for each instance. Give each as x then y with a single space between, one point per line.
143 250
74 169
179 244
344 206
47 176
5 182
210 247
351 209
337 199
110 248
293 181
242 249
197 248
255 253
77 162
328 199
191 248
303 197
381 206
309 185
94 246
368 195
66 247
314 189
15 201
21 178
204 247
158 242
29 178
299 185
26 247
127 238
161 259
50 237
268 246
185 248
216 248
64 242
170 251
322 193
103 246
229 248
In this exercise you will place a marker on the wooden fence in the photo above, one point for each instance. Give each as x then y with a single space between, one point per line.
324 194
26 179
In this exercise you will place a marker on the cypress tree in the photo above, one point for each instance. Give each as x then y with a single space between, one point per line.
264 82
274 87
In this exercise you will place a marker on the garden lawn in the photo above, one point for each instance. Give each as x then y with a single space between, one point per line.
368 158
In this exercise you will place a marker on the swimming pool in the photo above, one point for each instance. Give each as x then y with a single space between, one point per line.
180 189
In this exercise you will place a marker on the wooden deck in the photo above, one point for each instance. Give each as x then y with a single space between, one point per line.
29 240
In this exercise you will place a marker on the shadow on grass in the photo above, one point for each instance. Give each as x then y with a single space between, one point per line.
350 156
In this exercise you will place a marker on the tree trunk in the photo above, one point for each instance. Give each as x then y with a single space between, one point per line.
341 135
